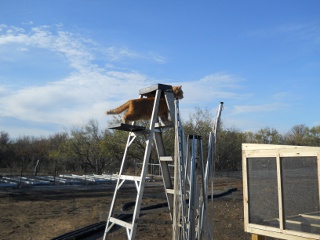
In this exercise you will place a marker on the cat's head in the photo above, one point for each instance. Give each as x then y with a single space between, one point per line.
177 92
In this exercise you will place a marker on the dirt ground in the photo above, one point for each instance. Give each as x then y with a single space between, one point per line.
38 213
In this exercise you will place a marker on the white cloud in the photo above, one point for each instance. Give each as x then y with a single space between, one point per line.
73 100
79 51
156 57
85 94
90 90
119 53
116 54
23 49
306 33
241 109
3 90
212 89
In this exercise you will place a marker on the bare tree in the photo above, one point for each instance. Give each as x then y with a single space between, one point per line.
314 136
266 135
229 149
87 146
298 135
4 149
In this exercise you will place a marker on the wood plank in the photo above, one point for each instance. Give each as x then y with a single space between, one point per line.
257 237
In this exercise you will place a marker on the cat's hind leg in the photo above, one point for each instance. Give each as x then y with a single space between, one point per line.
128 118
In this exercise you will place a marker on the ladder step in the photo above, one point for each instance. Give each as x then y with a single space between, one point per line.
130 178
170 191
120 222
117 213
160 125
166 158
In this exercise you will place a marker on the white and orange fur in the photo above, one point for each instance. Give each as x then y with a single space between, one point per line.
141 108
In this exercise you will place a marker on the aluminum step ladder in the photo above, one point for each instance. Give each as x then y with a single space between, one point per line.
190 193
192 174
152 134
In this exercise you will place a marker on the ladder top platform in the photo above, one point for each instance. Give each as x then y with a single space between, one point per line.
127 127
153 89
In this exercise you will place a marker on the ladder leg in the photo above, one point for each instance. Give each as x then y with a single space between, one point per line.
145 163
109 224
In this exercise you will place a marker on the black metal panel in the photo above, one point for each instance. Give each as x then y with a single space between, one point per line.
127 127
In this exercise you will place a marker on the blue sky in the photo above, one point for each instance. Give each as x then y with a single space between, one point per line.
64 62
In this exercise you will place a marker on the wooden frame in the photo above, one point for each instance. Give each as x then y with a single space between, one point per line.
251 152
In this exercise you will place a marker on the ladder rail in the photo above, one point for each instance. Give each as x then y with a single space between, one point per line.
203 200
146 157
179 223
171 105
210 165
118 186
193 187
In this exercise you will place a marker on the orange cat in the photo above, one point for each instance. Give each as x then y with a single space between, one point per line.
141 108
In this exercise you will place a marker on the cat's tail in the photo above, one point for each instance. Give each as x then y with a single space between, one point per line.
118 110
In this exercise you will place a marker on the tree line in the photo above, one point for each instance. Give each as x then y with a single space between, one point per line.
91 149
